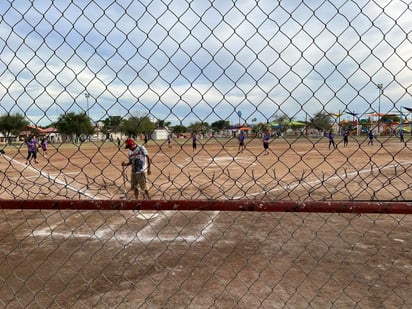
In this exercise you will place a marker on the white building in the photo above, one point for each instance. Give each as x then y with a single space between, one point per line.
12 139
160 134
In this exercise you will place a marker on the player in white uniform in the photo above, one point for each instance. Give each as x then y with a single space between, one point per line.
140 161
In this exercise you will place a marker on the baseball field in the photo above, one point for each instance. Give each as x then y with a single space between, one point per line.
208 259
296 169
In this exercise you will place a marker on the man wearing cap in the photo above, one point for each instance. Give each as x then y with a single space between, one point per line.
140 161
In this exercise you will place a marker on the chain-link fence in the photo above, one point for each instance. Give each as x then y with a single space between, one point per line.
227 101
328 82
204 259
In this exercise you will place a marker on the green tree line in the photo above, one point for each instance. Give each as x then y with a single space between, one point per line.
77 124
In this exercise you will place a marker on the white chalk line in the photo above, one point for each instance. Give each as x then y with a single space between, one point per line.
54 179
210 162
146 235
54 175
294 185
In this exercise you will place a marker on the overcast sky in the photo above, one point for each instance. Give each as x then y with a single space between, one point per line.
188 61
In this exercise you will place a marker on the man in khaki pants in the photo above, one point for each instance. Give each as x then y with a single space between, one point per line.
140 161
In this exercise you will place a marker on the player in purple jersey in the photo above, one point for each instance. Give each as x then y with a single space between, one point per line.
32 147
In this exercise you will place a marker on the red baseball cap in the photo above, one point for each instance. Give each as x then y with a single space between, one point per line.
129 142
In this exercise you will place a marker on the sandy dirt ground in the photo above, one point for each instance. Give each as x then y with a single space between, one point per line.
201 259
295 169
204 259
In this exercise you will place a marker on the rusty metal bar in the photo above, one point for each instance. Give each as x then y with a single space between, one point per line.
214 205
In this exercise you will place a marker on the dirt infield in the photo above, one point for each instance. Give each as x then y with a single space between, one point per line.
205 259
124 259
296 169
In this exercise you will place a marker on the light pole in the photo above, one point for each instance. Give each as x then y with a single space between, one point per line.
380 87
87 95
339 124
306 123
400 121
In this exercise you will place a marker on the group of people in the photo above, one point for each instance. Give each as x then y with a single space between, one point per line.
140 161
265 141
33 145
345 136
242 142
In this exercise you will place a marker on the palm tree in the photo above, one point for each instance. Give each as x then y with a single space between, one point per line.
162 123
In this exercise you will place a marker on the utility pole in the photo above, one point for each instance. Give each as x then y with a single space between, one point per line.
380 87
87 95
239 113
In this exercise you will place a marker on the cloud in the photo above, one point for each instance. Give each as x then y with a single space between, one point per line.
203 61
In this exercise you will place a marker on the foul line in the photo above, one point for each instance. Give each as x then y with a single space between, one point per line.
147 235
294 185
56 180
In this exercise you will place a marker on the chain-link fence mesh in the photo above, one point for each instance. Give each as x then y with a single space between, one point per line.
87 75
204 259
250 102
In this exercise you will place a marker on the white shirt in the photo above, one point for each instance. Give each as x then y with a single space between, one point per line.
137 158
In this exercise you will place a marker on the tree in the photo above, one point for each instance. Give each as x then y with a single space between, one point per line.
12 125
321 121
199 127
111 124
137 124
179 129
162 123
283 122
261 127
72 124
390 118
220 125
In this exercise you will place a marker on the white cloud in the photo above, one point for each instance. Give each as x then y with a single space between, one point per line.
201 59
